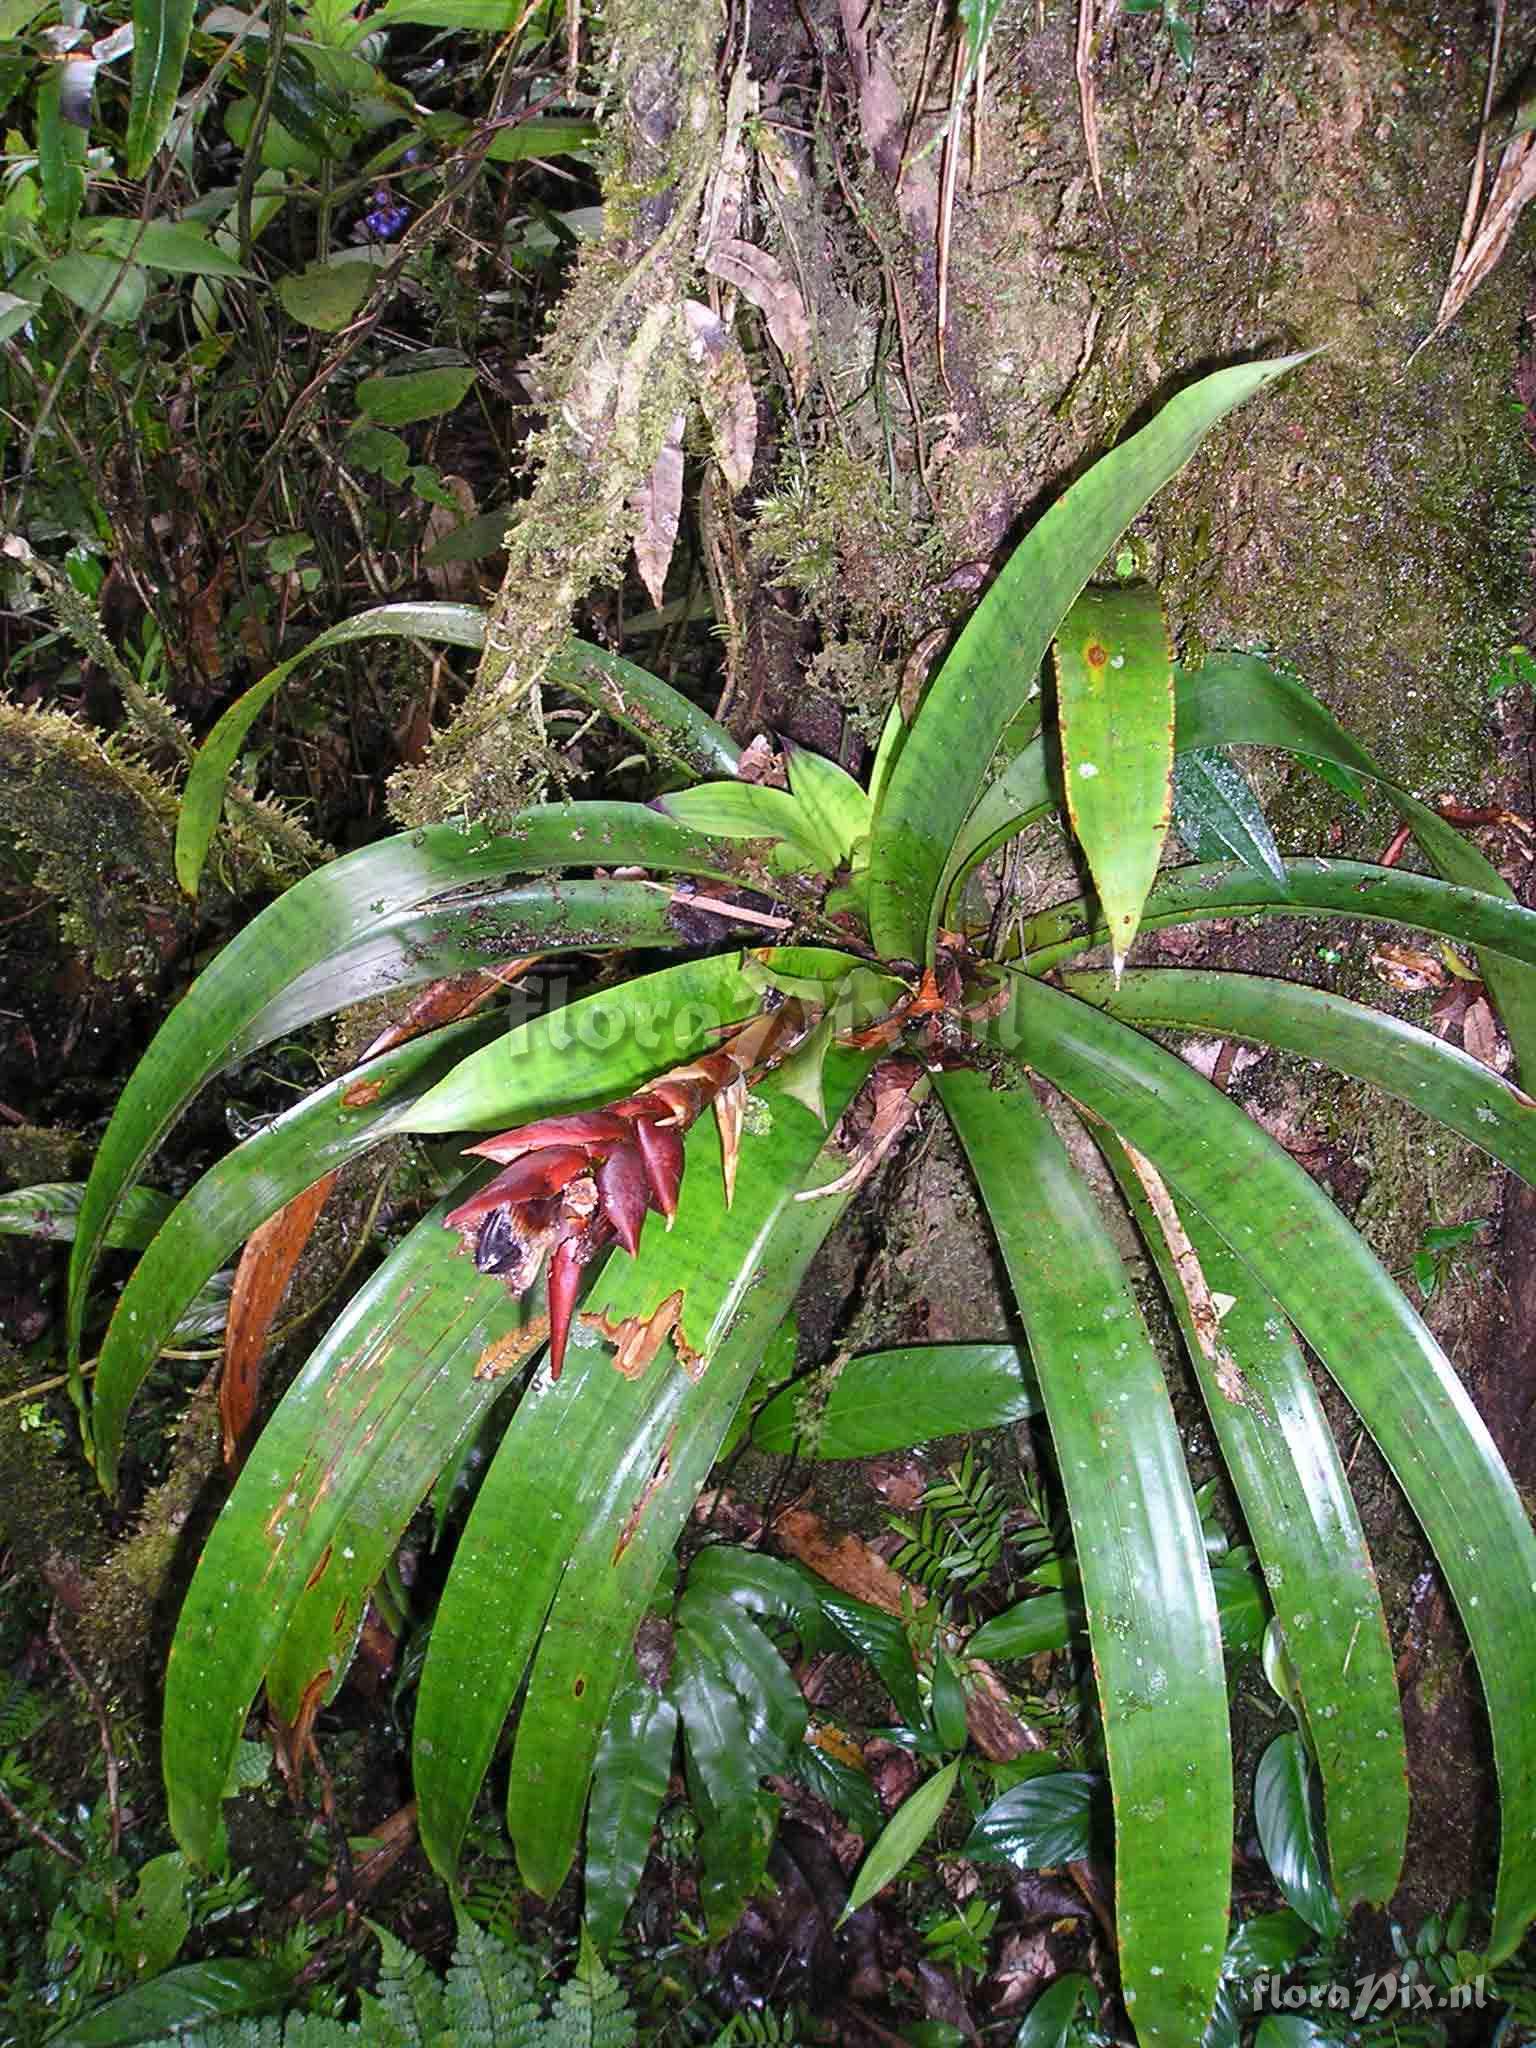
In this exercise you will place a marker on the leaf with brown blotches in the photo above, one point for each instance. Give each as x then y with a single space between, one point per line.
638 1338
762 279
261 1279
657 507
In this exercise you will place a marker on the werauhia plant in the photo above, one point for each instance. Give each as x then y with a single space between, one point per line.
612 1233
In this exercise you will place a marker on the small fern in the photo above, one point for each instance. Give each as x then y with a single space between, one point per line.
22 1713
491 1998
959 1539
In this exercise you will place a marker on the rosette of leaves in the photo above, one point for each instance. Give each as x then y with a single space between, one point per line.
595 1473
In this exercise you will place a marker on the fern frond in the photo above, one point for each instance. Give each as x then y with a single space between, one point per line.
22 1713
492 1996
592 2010
409 2010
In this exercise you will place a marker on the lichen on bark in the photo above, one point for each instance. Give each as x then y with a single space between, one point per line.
613 373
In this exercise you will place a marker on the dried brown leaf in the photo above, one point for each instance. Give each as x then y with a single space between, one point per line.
725 392
762 279
261 1279
657 507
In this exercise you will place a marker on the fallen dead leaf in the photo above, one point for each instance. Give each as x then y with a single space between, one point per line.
761 278
1410 969
1480 1033
657 507
725 392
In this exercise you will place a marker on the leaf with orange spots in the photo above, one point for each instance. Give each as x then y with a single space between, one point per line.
1114 704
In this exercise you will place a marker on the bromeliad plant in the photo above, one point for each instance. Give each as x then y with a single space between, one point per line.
873 989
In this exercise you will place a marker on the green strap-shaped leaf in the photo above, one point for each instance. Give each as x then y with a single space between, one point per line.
890 1400
1314 888
49 1210
739 1272
901 1837
1114 712
1439 1079
944 760
634 1765
838 809
608 1044
337 907
162 31
387 1395
442 939
597 1049
1296 1501
1216 813
1239 700
1386 1363
683 736
1147 1591
61 152
677 732
750 810
248 1185
590 1487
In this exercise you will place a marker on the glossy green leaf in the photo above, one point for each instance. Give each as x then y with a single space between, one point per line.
1043 1823
890 1400
162 32
597 1049
739 1815
339 906
165 245
1386 1363
374 1414
1114 711
49 1211
768 1587
319 1134
450 937
1046 1621
404 397
1216 813
1049 2023
839 812
481 17
1295 1497
901 1838
1147 1591
748 810
591 1486
1415 1066
1294 2030
193 1995
61 148
944 761
1282 1813
629 1783
151 1925
1314 888
678 732
542 135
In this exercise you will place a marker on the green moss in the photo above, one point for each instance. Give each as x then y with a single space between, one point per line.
99 828
30 1154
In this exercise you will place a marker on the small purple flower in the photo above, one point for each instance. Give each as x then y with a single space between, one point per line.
388 215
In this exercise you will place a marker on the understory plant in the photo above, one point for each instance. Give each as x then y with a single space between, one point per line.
650 1168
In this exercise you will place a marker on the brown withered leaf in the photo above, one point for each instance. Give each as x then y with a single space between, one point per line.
1409 968
638 1338
1496 216
261 1279
725 392
657 507
846 1562
762 279
1480 1033
445 1002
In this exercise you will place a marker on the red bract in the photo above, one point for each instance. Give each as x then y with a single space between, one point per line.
570 1185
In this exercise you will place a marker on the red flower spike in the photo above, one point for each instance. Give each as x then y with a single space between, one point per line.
564 1283
624 1192
661 1148
683 1099
590 1129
